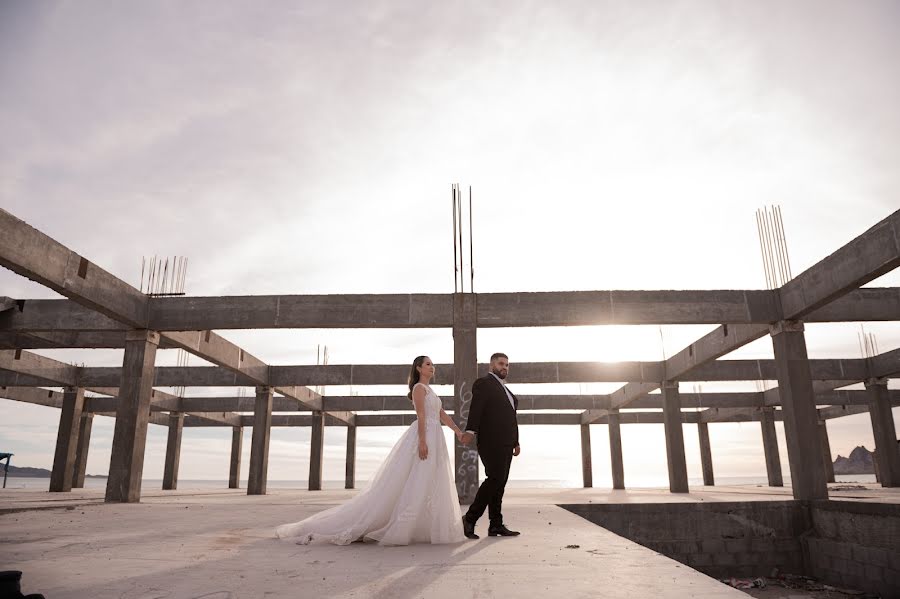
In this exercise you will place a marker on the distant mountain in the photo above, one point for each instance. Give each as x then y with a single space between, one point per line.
859 462
26 472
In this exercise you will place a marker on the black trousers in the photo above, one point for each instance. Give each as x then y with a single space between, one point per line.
496 462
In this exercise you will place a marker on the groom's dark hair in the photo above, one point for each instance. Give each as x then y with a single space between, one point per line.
499 355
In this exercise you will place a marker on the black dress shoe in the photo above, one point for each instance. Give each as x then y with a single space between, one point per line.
469 529
502 531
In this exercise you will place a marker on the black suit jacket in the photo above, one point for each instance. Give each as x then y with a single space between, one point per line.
490 415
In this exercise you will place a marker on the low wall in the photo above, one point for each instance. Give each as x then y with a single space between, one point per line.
719 539
842 543
856 545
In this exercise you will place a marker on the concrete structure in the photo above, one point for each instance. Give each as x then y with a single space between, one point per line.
678 479
132 416
465 371
350 467
705 455
67 440
586 470
259 447
316 448
770 447
103 311
617 467
888 454
234 469
81 455
800 419
173 451
827 460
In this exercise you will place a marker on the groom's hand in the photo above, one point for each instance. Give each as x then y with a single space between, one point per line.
466 438
516 450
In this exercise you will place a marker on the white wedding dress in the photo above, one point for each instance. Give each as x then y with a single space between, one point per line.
408 501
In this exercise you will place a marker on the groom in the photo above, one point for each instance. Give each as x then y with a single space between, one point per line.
492 420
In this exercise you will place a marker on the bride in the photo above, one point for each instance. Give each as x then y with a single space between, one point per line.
412 498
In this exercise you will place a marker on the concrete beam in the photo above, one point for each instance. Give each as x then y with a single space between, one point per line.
849 370
872 254
34 255
33 395
866 304
564 308
884 365
624 307
46 369
346 311
28 252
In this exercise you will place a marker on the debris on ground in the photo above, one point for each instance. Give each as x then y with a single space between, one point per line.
745 583
796 582
572 546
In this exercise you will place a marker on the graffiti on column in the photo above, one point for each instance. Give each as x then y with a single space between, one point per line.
467 458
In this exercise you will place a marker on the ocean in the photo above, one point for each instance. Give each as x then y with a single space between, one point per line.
638 483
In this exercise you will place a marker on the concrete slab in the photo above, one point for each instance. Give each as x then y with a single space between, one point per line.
220 544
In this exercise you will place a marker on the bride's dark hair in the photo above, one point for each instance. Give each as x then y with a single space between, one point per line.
414 375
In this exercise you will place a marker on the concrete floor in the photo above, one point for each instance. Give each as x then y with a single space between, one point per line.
220 544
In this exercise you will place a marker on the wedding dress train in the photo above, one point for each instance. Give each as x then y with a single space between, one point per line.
409 500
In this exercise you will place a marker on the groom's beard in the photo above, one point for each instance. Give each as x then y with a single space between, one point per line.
501 375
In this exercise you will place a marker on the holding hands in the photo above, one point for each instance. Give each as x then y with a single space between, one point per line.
465 438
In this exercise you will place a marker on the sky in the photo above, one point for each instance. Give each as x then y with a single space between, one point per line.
310 148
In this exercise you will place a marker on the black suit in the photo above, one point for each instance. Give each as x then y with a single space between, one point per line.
493 420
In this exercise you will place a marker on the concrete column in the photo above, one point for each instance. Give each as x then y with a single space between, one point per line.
126 464
586 474
706 455
770 447
234 471
798 406
888 463
259 446
317 446
465 371
678 482
67 440
875 465
826 452
173 452
615 450
350 468
84 444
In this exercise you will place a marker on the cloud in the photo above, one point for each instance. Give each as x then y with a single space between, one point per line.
309 149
